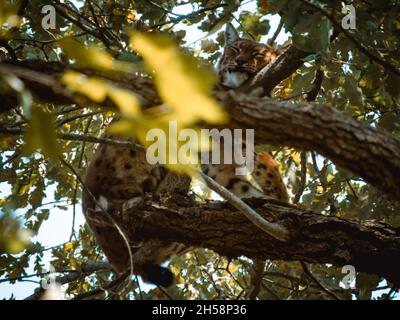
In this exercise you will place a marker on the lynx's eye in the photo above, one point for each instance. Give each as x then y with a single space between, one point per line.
258 55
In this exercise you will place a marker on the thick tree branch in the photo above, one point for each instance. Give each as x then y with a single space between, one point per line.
372 154
269 77
370 246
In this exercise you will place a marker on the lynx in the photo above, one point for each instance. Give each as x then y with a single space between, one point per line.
117 174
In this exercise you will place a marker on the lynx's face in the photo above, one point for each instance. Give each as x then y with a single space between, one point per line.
242 59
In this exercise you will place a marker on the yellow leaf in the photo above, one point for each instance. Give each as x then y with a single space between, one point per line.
8 15
74 263
125 100
296 157
68 246
232 268
85 287
330 177
86 57
92 57
179 280
131 16
93 88
182 84
12 239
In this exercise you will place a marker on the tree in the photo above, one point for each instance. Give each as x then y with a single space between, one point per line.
330 121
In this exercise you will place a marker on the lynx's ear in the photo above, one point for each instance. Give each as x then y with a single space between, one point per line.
231 35
282 49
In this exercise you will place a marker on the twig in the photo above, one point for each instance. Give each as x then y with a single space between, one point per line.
317 83
109 286
256 278
188 16
275 230
138 285
80 137
76 116
319 284
165 292
276 34
71 276
114 142
162 8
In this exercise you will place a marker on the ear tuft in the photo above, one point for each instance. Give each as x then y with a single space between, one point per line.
231 35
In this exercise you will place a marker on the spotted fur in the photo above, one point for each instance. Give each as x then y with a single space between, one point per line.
116 176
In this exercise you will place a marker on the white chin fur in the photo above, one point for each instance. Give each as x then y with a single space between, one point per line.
234 79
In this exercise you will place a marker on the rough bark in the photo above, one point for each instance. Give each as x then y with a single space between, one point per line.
369 246
370 153
274 73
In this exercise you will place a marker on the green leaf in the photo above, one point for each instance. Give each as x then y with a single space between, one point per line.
41 134
325 32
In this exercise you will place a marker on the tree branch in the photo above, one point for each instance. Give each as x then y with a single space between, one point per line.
372 154
281 68
273 229
370 246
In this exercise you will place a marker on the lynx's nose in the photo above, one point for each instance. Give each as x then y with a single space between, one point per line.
241 60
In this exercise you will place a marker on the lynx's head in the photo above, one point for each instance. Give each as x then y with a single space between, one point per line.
242 58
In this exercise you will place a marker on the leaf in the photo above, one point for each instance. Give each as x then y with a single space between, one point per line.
296 157
86 57
41 134
325 33
68 246
253 24
93 88
125 100
92 57
37 195
182 84
13 239
8 15
98 90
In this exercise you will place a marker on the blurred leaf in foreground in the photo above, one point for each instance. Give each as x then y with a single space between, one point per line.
12 239
183 85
